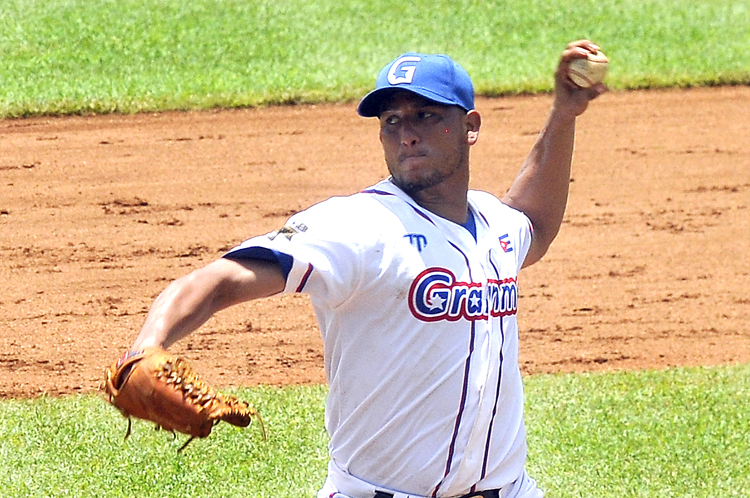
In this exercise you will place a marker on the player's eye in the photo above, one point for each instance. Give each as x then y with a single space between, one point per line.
391 120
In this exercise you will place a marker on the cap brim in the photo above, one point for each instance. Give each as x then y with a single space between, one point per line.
370 105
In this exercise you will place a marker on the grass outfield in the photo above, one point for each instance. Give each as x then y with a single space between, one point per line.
681 432
678 432
675 433
78 56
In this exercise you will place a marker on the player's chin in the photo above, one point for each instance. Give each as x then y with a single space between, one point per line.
416 181
411 167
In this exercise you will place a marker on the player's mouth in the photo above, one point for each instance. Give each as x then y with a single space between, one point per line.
411 160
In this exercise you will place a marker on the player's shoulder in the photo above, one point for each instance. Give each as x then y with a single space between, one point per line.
486 201
490 207
348 206
351 212
480 197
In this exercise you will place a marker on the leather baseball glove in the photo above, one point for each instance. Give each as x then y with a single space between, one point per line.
156 386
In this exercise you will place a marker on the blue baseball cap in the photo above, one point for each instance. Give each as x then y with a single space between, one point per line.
434 77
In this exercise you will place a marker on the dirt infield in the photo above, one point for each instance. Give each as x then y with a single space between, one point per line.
98 214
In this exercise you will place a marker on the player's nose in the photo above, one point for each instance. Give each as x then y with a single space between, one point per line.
408 134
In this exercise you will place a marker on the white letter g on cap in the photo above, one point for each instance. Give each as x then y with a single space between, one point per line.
402 71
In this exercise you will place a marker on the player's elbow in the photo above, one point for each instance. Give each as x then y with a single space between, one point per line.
533 256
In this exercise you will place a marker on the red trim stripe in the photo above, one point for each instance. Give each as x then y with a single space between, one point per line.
304 278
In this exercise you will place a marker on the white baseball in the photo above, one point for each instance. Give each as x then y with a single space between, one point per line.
589 71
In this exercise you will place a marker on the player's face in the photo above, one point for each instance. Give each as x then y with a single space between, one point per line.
426 144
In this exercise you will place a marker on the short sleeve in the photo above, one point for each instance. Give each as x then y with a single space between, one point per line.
319 249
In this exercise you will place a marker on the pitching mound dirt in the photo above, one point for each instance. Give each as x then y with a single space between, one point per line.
99 214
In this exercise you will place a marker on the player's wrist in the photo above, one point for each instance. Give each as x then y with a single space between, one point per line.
146 343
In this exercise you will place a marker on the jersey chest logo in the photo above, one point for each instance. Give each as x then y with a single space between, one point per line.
436 295
417 240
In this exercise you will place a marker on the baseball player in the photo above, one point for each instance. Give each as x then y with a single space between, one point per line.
414 282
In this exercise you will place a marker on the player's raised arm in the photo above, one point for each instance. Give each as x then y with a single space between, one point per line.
541 188
188 302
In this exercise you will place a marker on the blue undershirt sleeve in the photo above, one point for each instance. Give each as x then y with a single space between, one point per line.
284 261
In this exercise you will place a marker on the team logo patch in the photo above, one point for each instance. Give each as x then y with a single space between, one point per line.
402 71
288 231
505 244
417 240
436 295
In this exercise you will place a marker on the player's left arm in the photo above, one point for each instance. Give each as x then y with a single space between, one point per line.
540 190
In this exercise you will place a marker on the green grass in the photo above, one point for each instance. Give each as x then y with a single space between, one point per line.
74 446
79 56
680 432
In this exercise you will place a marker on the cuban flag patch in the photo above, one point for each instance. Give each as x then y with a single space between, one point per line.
505 244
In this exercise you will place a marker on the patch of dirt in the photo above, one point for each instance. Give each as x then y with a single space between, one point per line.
98 214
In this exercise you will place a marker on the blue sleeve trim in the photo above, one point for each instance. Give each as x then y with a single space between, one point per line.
284 261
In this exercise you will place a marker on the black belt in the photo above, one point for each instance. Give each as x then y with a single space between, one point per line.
490 493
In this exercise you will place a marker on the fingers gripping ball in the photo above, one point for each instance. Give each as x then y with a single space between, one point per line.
588 71
156 386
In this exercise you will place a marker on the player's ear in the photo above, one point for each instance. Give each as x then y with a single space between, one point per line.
473 123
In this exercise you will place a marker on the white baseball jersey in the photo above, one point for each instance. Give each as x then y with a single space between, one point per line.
418 320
